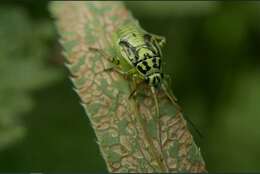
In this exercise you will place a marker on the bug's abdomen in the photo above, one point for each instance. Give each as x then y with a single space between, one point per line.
149 66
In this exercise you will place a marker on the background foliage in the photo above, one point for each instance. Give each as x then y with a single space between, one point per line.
211 53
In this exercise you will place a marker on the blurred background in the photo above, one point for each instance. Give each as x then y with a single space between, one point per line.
212 54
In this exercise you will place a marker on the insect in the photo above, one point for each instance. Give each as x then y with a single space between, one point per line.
138 55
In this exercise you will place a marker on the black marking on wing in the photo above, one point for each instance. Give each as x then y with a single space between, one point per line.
157 47
128 46
130 50
156 81
147 56
156 64
145 68
151 43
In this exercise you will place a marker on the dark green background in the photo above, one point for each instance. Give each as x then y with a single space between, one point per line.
212 54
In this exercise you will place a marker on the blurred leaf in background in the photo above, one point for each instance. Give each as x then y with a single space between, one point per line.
212 54
162 9
234 135
24 48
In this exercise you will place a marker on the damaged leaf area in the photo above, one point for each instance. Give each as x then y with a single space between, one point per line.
127 130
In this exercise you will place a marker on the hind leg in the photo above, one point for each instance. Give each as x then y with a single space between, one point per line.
160 39
115 63
113 60
169 94
173 99
136 85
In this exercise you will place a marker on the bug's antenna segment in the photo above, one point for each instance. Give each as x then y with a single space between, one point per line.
173 100
171 97
156 102
158 117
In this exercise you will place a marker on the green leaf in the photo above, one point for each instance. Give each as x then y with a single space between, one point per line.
177 8
23 52
126 129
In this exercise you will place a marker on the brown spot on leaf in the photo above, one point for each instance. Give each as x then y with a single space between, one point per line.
95 22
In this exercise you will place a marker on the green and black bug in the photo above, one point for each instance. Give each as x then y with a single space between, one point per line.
138 55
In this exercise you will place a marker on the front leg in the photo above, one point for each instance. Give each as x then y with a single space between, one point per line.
136 86
160 39
120 71
111 59
115 61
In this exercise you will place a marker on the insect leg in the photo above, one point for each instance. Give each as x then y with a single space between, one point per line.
157 114
170 95
154 151
159 122
113 60
156 105
168 84
160 39
173 100
137 86
155 101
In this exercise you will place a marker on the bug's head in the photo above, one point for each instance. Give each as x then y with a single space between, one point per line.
154 80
